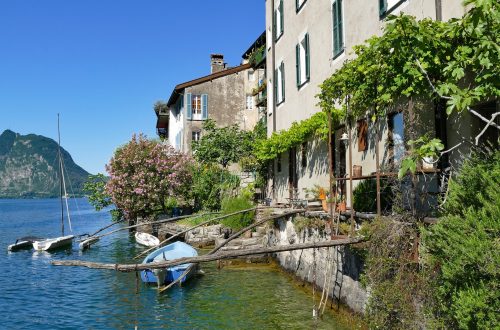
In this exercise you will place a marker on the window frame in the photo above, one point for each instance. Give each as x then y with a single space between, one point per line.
278 13
385 9
303 61
195 133
197 114
279 84
299 4
250 98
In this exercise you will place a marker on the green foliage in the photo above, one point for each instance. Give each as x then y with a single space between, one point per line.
282 141
257 55
234 204
95 187
303 223
223 146
420 148
161 106
395 283
365 196
210 185
465 249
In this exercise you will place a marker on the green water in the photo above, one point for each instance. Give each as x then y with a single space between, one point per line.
37 294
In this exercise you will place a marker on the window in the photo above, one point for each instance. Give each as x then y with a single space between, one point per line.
195 136
197 106
279 84
396 137
249 105
278 21
302 57
251 75
386 6
362 135
299 4
338 31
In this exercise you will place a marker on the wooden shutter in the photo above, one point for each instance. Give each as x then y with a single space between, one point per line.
282 81
362 135
307 56
297 65
189 109
204 106
281 18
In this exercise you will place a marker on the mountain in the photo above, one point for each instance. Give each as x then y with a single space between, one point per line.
29 167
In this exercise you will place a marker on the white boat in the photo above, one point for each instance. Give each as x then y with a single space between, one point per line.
85 244
23 243
63 240
53 243
146 239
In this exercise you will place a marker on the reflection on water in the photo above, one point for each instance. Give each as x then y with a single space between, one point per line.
35 293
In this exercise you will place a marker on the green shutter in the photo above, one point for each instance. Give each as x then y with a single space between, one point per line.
282 81
276 101
282 23
189 110
338 42
204 106
297 65
275 33
308 66
382 7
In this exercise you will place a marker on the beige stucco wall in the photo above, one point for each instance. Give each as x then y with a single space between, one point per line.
361 21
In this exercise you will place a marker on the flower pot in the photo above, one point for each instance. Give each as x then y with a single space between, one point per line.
341 207
427 163
357 171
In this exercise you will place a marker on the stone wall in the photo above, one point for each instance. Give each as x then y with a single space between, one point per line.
301 262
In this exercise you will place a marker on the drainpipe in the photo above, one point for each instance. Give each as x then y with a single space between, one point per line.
271 86
439 10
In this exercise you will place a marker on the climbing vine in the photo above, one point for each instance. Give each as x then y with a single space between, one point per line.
456 61
299 132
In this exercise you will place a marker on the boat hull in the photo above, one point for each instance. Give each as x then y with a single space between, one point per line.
53 243
146 239
172 251
20 245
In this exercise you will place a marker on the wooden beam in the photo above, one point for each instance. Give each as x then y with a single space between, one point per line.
206 258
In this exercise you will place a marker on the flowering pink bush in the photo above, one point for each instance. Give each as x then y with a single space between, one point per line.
144 173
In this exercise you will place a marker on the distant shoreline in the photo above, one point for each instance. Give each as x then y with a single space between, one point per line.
38 197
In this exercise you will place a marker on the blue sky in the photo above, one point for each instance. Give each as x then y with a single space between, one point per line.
103 64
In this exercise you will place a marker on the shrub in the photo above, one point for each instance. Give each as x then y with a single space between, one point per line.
234 204
210 185
464 248
365 196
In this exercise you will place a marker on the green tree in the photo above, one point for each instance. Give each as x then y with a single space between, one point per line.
222 145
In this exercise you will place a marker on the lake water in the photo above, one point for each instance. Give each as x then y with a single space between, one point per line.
36 294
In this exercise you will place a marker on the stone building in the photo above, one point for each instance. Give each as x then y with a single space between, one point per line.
307 41
221 96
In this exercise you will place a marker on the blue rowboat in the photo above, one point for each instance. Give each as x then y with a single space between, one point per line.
169 252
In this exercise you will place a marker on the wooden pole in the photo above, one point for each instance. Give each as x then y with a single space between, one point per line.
190 268
149 223
205 258
189 229
377 167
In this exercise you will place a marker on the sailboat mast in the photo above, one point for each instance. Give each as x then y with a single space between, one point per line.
60 174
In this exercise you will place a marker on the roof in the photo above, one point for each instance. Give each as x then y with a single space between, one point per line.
176 92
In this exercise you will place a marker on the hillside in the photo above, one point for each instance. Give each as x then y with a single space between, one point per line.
29 167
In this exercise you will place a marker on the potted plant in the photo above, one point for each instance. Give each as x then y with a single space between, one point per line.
341 204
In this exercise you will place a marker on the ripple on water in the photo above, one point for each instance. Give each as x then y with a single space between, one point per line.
34 293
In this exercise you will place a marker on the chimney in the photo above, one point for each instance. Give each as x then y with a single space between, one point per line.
217 63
